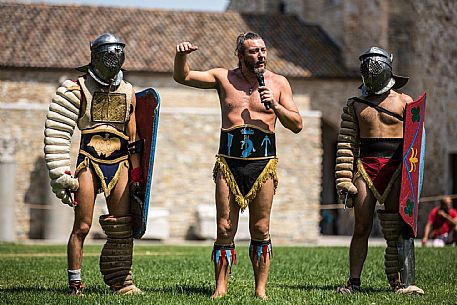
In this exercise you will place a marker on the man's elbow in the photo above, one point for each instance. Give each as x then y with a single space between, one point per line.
298 127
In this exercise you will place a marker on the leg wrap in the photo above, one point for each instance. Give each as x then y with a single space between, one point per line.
391 224
116 256
221 253
261 247
400 263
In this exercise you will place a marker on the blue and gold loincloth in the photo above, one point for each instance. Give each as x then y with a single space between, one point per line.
247 159
105 151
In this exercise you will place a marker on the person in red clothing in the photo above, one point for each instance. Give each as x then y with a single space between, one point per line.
442 224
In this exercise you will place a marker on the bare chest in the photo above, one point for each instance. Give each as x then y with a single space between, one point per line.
370 116
240 107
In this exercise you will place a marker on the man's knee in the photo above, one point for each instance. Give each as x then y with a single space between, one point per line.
225 230
260 230
82 230
362 229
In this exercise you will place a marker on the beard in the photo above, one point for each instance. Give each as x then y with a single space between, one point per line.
252 66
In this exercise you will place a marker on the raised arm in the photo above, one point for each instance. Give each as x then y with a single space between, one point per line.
285 108
184 75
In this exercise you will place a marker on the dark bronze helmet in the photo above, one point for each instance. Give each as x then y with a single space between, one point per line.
107 56
376 72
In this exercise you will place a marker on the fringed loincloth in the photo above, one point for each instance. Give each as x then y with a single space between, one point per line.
246 177
379 164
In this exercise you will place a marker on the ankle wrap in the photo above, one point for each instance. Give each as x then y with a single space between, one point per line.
261 247
221 252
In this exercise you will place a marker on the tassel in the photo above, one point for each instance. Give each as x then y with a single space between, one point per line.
243 201
224 252
223 255
262 248
234 256
265 249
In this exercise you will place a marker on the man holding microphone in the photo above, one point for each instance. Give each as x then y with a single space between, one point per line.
245 169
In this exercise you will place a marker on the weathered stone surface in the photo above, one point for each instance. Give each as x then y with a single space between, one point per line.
187 143
421 35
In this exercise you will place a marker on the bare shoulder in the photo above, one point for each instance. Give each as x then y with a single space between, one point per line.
279 80
219 72
277 77
400 97
406 99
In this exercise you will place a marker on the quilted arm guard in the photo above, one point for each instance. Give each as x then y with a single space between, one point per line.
60 124
347 151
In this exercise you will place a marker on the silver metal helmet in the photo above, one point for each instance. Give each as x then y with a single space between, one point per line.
107 57
376 71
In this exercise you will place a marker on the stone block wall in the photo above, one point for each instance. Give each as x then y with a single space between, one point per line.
187 143
421 35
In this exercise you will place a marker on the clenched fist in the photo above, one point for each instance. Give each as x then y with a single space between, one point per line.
185 48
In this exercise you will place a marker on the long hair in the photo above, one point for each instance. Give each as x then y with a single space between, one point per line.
240 42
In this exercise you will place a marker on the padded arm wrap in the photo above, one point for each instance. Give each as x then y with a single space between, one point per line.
346 150
60 124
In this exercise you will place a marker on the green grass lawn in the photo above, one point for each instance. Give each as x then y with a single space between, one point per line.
36 274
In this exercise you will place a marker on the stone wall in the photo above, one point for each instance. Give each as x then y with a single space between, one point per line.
421 35
435 71
187 142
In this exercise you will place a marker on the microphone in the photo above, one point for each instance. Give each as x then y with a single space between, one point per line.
261 81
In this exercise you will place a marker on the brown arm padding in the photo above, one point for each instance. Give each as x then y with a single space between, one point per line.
347 149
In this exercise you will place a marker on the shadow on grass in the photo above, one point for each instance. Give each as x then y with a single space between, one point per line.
63 290
33 289
328 287
178 289
204 290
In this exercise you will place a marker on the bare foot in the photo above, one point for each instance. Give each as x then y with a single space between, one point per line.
261 295
218 294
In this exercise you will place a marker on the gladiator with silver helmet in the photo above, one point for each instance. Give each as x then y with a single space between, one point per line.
368 170
102 105
106 59
376 72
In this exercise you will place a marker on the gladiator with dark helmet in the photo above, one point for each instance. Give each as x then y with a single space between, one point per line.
376 72
106 60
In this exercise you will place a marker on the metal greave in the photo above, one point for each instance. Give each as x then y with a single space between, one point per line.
406 258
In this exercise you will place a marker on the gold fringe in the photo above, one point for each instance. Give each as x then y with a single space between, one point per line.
106 188
81 166
381 198
243 201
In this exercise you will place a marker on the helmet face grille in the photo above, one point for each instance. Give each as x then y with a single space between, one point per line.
107 60
376 73
371 66
374 67
110 60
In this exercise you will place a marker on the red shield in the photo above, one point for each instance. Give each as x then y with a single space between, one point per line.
413 161
147 120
